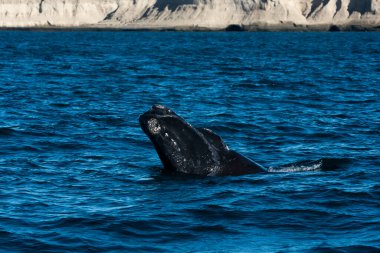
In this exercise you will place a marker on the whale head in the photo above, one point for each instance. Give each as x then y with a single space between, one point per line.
180 147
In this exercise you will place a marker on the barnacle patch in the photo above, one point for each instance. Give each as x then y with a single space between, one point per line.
154 126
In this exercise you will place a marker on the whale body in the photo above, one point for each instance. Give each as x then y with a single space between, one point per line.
199 151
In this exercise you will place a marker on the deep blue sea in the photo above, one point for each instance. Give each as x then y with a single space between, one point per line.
79 175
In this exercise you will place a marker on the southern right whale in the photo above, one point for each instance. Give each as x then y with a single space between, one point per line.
199 151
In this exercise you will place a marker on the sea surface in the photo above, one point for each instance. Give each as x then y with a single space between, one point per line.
79 175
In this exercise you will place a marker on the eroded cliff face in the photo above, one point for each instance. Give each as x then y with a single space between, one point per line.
29 13
185 13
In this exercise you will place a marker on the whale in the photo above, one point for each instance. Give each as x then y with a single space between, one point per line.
186 149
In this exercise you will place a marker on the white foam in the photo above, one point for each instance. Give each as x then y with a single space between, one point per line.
295 168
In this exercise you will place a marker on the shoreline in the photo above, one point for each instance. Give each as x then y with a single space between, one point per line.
283 27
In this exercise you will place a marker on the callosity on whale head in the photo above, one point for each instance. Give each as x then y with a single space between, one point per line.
186 149
179 145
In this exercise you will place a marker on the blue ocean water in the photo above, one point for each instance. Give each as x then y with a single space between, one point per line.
79 175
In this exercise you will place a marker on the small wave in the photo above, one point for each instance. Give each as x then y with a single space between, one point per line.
350 194
7 131
375 190
112 121
272 82
354 175
71 222
213 229
60 105
348 249
39 130
289 128
154 76
62 145
93 157
17 147
312 165
246 85
215 212
329 135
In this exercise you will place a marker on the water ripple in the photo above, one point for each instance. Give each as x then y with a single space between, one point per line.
78 174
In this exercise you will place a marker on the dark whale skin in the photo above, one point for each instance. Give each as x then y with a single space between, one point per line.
198 151
186 149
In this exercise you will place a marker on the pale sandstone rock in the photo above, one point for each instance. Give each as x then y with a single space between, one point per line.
213 14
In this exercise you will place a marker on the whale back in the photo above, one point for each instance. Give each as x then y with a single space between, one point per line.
213 139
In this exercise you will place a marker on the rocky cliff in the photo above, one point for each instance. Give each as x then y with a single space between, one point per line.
190 14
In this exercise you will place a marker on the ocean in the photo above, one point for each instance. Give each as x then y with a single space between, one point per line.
79 175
